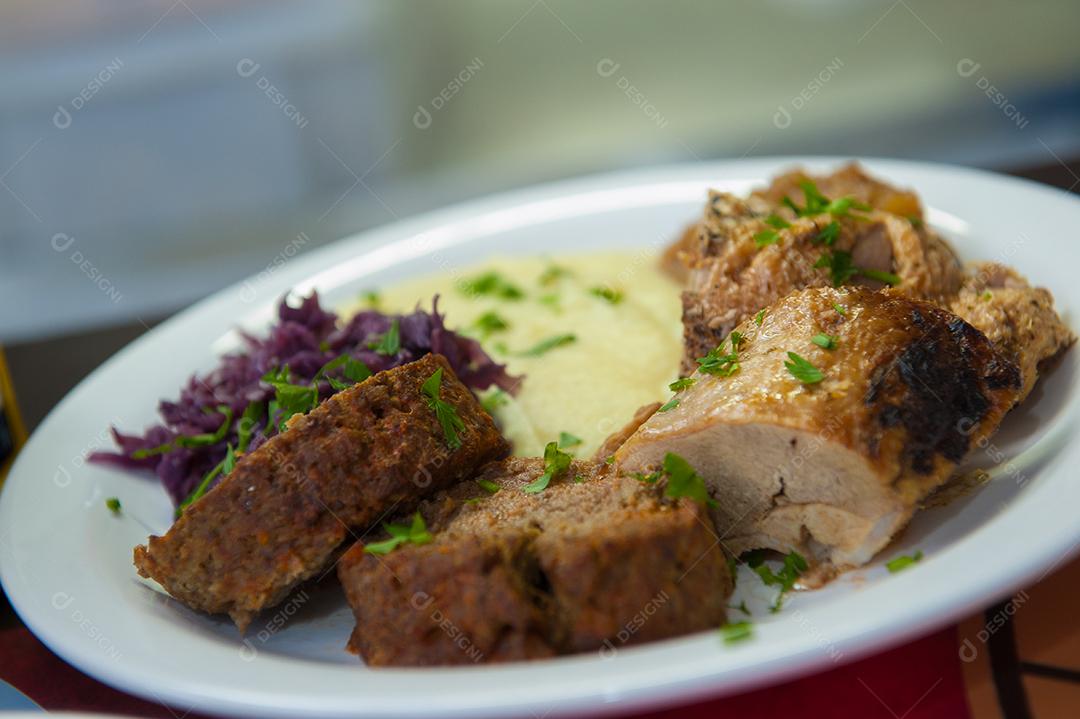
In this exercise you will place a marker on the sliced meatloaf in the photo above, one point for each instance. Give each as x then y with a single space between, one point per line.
831 457
593 562
280 516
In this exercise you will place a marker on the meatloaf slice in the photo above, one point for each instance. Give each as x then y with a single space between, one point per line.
832 465
279 517
593 562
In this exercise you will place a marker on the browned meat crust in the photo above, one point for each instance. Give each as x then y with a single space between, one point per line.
619 436
1019 319
584 565
834 469
732 276
848 181
278 518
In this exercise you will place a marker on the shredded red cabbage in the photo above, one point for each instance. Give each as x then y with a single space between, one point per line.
305 338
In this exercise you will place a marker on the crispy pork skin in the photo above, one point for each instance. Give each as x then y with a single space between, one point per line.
1019 319
593 562
833 469
280 516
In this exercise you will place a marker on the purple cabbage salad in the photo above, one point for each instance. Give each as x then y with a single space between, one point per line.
307 356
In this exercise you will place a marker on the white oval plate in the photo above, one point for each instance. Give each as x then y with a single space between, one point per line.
66 562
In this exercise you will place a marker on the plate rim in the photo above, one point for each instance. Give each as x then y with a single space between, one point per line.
651 694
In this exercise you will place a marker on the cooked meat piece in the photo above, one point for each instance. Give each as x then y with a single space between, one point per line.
1019 319
284 510
734 276
594 561
678 256
833 469
619 436
849 181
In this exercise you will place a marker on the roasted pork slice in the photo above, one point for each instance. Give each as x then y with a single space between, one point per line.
592 562
748 259
825 425
1019 319
280 516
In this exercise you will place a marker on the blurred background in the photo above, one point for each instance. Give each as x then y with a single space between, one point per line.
153 152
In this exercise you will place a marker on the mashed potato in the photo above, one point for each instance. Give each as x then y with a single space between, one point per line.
622 311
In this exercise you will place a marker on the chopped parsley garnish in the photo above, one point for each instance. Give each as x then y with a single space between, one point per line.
113 504
670 405
352 369
886 277
681 384
720 364
841 269
555 463
545 346
390 343
802 370
490 323
488 486
223 468
491 284
915 221
552 274
252 414
817 204
371 298
766 237
777 221
415 533
651 478
828 234
189 441
447 416
794 566
568 440
759 317
986 296
495 399
903 562
683 481
742 608
736 632
608 294
839 310
289 399
825 341
551 301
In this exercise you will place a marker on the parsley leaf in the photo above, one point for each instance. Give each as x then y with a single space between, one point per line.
777 221
568 440
802 370
719 364
416 533
491 322
189 441
839 265
794 566
681 384
825 341
610 294
683 481
371 298
221 468
651 478
759 317
555 463
552 274
390 343
828 234
887 277
903 562
736 632
545 346
289 399
766 237
670 405
839 310
447 416
488 486
491 284
113 504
